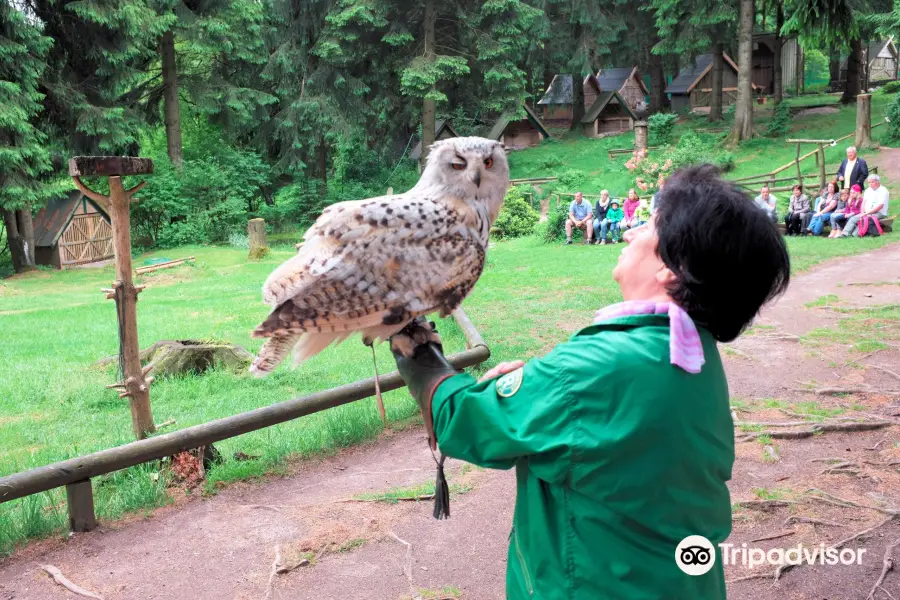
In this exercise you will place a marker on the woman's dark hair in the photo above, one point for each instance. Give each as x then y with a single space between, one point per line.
728 257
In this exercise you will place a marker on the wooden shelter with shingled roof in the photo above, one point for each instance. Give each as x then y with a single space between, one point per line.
556 104
609 114
519 133
626 81
693 86
880 58
442 131
70 231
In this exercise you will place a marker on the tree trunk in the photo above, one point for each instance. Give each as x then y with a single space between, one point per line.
834 68
715 102
851 86
20 237
577 100
657 84
742 129
778 85
863 121
256 234
428 106
170 98
322 162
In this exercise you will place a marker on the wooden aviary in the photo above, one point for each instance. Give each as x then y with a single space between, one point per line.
163 265
72 230
863 121
256 231
134 385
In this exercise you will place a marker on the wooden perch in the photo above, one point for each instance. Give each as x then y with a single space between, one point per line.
100 199
165 265
86 166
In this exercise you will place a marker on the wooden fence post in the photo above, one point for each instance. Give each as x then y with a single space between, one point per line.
80 499
821 161
863 121
256 232
640 135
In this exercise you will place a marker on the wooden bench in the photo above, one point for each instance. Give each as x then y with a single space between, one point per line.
887 225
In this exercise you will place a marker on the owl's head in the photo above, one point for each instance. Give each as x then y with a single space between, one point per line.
470 168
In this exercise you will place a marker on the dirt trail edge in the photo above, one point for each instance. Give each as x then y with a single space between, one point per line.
315 535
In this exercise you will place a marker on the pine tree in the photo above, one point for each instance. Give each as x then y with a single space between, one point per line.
24 158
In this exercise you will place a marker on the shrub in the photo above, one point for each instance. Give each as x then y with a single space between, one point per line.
239 240
780 125
551 162
555 225
661 126
517 218
570 177
893 127
891 87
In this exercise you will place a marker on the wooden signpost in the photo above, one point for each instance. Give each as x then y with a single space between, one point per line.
135 385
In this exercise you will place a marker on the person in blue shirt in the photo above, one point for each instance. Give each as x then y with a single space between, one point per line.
580 217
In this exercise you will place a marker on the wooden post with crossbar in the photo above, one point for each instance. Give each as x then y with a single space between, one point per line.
135 384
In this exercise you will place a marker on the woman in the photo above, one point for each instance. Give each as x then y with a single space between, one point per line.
622 437
825 204
853 207
601 223
630 208
798 208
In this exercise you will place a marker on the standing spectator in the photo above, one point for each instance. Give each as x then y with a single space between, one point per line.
579 218
874 207
766 202
630 208
825 205
854 207
798 208
853 170
614 215
601 223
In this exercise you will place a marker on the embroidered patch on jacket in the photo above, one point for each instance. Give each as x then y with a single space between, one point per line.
510 383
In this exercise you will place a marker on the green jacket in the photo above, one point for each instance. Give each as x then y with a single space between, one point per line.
619 456
615 214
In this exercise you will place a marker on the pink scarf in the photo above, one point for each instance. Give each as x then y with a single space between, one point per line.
685 347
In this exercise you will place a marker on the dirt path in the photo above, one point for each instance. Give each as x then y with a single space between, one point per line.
223 547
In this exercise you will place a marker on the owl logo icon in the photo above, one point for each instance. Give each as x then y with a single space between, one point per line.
695 555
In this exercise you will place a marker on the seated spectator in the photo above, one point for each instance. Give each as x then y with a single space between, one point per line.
630 208
874 207
579 218
615 216
854 207
825 204
601 223
766 202
798 208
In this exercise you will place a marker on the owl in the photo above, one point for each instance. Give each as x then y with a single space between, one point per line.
374 265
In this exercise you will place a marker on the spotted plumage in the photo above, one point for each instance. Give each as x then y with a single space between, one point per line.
374 265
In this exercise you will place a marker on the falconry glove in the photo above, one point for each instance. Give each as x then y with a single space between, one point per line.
420 360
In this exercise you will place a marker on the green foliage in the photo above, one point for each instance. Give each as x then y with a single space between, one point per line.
891 87
517 217
696 148
893 127
555 225
816 74
780 125
661 126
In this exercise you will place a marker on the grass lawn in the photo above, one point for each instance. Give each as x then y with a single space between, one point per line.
56 326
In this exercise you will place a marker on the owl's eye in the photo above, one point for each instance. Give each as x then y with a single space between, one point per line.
489 162
458 166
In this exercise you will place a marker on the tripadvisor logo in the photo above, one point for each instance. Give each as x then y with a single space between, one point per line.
695 555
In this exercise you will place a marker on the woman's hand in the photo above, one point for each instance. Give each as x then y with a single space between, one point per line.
502 369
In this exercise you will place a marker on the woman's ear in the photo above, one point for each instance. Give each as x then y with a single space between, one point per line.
666 277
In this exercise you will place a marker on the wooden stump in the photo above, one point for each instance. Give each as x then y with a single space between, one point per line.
640 135
863 121
179 357
256 230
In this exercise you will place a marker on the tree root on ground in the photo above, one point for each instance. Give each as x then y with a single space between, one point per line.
817 428
887 565
793 520
59 578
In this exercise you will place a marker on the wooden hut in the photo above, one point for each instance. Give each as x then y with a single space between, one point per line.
609 114
70 231
556 104
879 59
626 81
693 86
764 62
442 131
519 133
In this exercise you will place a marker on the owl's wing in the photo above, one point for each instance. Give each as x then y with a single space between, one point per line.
370 266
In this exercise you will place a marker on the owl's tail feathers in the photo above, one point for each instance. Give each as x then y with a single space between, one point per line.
273 352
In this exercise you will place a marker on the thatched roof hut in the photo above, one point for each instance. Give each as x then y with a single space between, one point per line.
519 133
557 102
626 81
609 114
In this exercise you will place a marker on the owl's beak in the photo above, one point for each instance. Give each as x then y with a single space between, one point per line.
476 178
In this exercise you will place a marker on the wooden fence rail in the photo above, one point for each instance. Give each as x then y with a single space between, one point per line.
75 473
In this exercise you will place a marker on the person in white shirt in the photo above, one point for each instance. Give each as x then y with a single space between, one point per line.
875 205
767 203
